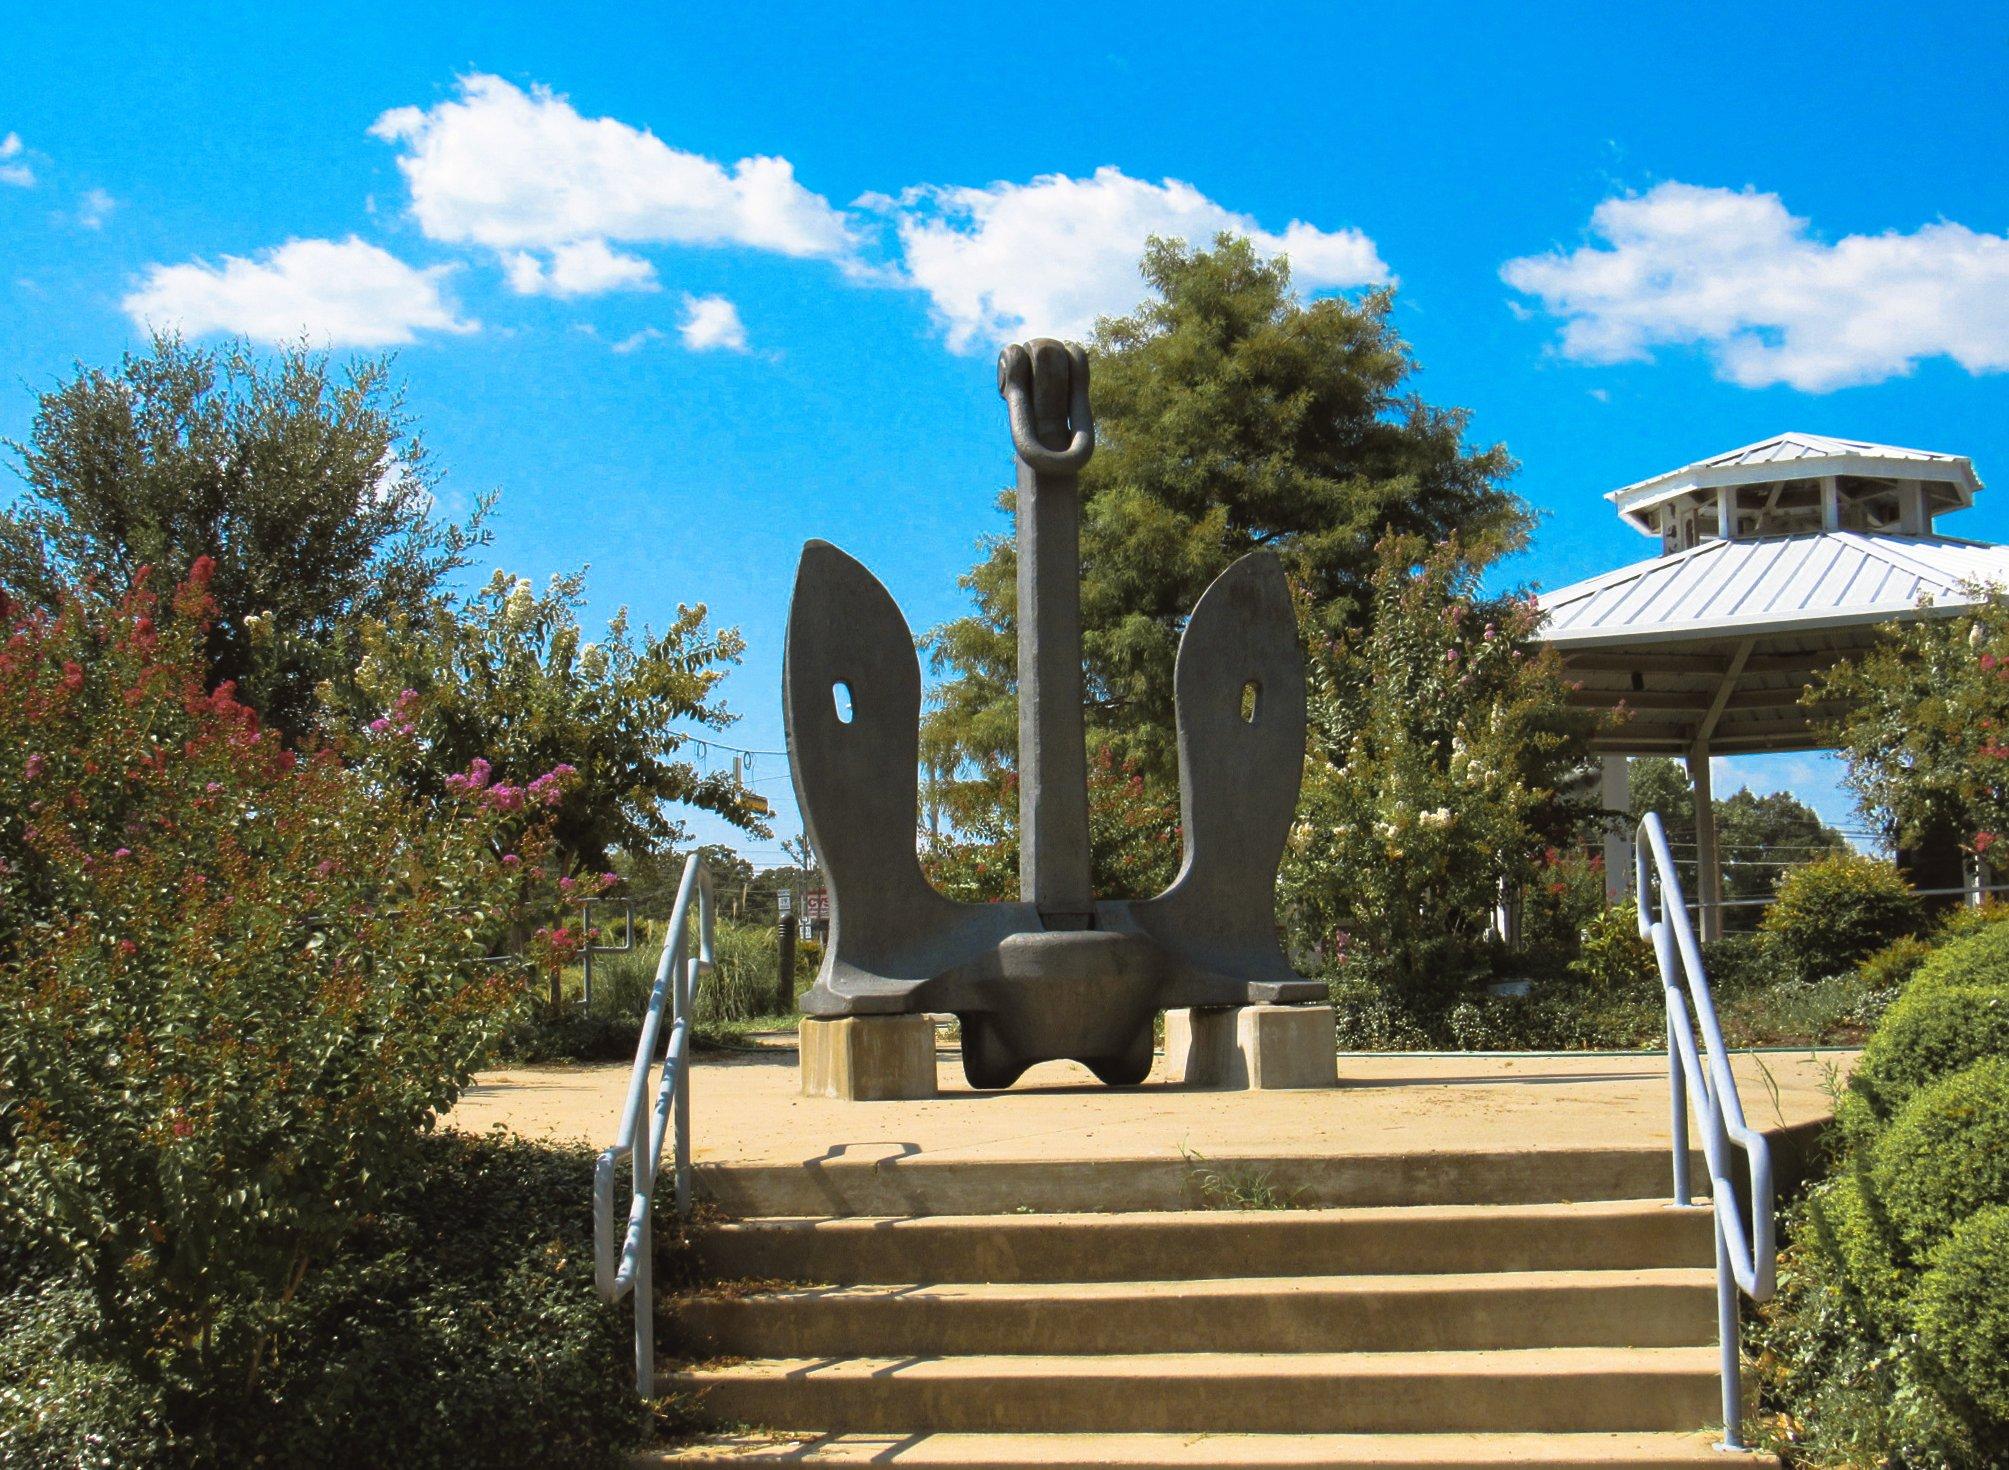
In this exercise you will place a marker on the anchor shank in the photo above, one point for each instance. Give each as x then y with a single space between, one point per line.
1050 380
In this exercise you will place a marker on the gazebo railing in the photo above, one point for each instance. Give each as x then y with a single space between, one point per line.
1746 1249
624 1262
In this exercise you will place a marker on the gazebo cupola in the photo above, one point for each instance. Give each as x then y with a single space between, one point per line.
1775 560
1797 484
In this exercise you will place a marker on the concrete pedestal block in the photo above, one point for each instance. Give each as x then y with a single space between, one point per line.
1252 1047
868 1058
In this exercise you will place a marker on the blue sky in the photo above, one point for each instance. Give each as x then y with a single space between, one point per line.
691 287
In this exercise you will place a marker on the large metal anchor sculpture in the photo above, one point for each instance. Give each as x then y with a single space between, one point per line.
1056 974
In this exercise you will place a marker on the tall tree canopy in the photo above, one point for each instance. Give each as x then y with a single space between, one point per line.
309 490
1230 415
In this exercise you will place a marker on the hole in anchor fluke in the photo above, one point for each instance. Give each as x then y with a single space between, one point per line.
1252 696
840 695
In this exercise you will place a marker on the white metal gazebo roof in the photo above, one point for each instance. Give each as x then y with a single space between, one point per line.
1800 455
1710 645
1743 589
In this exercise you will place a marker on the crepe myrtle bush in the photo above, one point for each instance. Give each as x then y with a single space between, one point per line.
1442 745
237 980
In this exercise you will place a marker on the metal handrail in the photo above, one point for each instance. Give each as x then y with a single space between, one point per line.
628 1263
1746 1251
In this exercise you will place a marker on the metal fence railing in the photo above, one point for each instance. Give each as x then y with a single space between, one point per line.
1746 1249
624 1262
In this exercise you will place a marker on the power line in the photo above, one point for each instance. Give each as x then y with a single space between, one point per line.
729 749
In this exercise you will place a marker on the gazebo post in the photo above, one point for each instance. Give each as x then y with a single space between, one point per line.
1615 795
1708 871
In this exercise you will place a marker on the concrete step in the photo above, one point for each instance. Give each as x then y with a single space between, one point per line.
1543 1390
1203 1451
1178 1245
1650 1308
925 1184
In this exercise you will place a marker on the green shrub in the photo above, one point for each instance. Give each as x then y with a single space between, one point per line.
1794 1012
1848 1224
457 1327
1832 914
742 984
1926 1035
1367 1016
1742 962
1838 1367
63 1407
1614 956
1888 970
1967 919
1946 1154
1978 957
1963 1311
1887 1340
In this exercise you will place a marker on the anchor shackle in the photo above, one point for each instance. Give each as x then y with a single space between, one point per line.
1044 384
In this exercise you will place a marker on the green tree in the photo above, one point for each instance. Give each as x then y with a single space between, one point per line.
309 489
504 685
1443 745
1230 415
1922 719
1759 836
1133 840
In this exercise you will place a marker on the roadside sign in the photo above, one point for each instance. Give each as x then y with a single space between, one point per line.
816 904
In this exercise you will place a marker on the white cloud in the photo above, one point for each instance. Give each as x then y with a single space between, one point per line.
525 172
636 341
711 324
345 293
584 268
1737 275
13 166
94 208
1051 255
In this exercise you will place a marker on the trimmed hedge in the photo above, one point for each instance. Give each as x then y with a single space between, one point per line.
1963 921
1852 1229
1946 1155
1928 1034
1888 1342
1978 957
1963 1310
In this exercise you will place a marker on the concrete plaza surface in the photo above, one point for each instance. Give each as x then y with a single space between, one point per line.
763 1148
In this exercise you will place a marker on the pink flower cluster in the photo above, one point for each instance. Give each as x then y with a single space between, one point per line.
546 790
474 781
402 718
549 788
